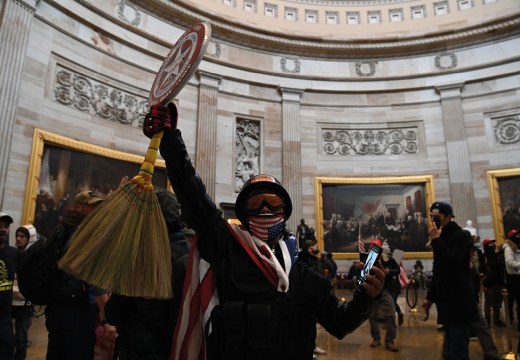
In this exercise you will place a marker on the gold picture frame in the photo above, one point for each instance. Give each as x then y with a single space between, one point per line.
67 165
504 195
358 201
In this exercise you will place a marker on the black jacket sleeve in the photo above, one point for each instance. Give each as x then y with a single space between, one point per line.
198 209
314 291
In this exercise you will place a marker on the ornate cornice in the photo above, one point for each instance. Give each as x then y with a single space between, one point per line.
227 31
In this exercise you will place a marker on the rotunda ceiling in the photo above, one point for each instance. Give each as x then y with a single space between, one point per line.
344 29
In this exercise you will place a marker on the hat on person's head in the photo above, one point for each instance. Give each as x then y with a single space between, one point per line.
308 243
188 231
24 231
87 197
487 241
28 230
7 217
512 233
444 208
377 242
261 184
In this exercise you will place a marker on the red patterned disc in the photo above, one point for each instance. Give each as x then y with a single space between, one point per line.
180 63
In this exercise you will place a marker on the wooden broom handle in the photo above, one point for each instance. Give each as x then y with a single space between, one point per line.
144 178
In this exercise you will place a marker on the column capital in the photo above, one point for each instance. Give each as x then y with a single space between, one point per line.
290 94
209 79
30 5
450 89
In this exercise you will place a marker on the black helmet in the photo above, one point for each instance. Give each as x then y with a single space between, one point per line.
259 184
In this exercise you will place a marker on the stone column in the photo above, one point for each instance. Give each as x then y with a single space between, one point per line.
206 153
291 152
15 25
461 185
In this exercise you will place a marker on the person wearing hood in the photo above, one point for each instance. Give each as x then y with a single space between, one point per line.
512 261
22 310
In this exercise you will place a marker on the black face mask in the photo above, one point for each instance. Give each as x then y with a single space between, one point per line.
437 222
316 251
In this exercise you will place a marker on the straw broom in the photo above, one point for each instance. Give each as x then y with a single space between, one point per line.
122 245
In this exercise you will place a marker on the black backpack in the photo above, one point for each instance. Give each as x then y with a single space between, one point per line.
38 273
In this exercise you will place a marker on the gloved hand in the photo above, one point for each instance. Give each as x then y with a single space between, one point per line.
160 118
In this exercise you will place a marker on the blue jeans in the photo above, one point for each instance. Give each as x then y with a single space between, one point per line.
456 342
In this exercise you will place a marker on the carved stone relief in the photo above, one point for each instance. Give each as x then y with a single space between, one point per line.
446 61
248 151
352 142
129 13
290 65
507 129
96 98
366 68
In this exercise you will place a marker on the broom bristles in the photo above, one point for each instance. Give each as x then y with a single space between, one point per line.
121 246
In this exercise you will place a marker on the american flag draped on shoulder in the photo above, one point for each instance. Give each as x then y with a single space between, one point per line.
199 294
199 297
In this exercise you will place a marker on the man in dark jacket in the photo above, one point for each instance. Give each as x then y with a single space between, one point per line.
267 302
452 288
70 316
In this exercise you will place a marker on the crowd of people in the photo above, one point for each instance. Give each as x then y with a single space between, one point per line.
265 289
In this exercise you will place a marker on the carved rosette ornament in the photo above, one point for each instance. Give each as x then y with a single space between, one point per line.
340 142
507 130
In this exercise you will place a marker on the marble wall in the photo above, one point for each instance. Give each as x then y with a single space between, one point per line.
85 72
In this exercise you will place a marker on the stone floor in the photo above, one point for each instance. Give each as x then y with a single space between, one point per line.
416 339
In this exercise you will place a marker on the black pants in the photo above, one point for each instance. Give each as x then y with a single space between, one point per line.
22 316
6 338
72 331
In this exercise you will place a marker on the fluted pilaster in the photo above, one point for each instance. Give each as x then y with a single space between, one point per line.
206 154
462 195
291 151
15 25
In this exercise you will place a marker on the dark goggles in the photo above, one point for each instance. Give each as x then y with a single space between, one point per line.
257 202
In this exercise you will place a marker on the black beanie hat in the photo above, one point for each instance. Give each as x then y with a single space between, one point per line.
24 231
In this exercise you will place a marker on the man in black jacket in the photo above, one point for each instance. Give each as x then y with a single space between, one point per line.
451 288
268 303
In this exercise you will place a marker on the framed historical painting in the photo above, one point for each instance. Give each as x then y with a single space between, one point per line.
61 167
354 211
504 191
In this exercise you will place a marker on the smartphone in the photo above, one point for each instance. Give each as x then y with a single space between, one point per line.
373 256
363 257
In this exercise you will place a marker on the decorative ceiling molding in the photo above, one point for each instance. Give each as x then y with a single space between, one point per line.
227 31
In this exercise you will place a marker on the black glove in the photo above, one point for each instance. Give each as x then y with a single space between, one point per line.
160 118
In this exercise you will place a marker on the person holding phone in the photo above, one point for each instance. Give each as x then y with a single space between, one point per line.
267 300
452 286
